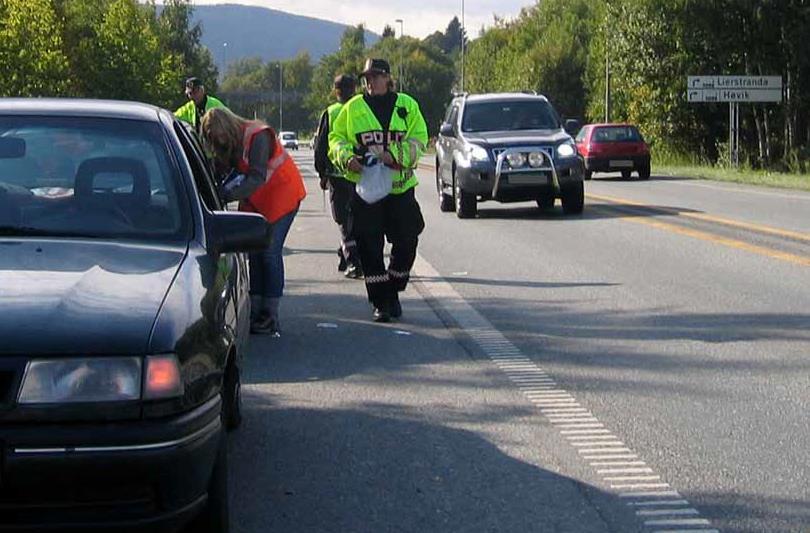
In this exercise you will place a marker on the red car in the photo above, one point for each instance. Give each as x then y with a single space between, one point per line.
613 148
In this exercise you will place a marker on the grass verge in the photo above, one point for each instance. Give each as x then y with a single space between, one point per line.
749 177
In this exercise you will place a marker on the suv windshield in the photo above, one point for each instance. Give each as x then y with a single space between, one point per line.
509 115
87 177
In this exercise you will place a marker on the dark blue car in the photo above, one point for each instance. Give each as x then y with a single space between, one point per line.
124 313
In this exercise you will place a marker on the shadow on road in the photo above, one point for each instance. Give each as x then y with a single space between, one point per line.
311 470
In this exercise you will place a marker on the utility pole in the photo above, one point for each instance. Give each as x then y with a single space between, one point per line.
463 35
401 55
607 85
280 97
224 59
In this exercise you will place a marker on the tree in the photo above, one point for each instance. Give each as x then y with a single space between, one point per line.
388 32
32 56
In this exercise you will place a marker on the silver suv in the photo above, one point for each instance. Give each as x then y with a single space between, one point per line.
507 147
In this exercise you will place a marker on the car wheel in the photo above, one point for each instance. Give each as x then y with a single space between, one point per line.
466 203
644 173
214 517
445 200
626 174
588 174
232 397
573 199
546 202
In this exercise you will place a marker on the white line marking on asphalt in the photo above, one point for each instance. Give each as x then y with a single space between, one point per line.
327 325
668 512
651 494
677 522
582 428
650 503
686 531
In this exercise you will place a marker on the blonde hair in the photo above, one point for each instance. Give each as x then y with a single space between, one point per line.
222 132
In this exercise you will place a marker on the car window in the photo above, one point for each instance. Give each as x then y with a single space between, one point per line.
583 132
453 116
616 134
200 167
288 136
91 177
509 115
449 112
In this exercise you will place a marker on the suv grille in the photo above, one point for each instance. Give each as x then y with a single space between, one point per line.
545 149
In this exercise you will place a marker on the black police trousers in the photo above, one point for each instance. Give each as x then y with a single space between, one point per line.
397 218
340 196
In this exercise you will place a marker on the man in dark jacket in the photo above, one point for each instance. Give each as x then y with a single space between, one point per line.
340 189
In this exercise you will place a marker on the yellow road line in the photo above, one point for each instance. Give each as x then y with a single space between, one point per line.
710 218
725 241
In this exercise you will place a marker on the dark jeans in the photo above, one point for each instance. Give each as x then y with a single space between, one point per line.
398 218
267 266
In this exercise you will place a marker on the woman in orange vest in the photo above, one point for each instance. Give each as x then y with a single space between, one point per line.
265 180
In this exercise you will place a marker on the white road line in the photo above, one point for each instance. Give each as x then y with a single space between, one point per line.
650 503
668 512
651 494
686 531
677 522
582 428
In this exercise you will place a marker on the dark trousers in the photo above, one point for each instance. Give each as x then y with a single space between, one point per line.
398 218
340 195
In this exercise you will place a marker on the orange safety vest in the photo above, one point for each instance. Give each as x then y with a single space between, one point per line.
283 188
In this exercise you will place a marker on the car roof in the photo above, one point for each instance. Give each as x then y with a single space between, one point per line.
610 124
499 97
78 107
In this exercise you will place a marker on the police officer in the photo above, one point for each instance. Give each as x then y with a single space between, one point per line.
340 189
390 126
199 101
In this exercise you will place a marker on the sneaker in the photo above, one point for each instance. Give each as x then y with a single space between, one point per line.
396 307
381 315
265 325
354 272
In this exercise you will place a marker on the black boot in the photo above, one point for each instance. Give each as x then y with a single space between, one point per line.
381 314
342 264
396 307
354 272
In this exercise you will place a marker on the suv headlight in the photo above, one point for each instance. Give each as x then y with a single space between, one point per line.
477 153
566 149
96 379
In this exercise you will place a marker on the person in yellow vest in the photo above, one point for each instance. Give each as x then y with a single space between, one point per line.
198 103
386 126
264 179
340 189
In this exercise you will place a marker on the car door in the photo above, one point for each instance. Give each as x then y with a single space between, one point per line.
581 141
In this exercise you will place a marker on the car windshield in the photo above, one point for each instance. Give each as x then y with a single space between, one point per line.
288 136
509 115
612 134
87 177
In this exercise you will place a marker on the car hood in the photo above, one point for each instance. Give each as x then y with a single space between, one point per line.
518 138
81 297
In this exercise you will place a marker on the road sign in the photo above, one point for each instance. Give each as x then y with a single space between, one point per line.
734 88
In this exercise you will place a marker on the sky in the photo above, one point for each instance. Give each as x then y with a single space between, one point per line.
419 17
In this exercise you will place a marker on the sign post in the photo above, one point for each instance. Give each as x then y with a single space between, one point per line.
734 89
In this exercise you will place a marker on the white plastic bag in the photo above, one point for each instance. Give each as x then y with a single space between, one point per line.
375 183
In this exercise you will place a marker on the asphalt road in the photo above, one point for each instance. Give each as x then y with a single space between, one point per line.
642 367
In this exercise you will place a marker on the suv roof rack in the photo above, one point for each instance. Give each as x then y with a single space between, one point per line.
461 94
530 92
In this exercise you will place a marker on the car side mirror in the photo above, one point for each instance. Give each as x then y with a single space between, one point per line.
237 232
447 130
572 126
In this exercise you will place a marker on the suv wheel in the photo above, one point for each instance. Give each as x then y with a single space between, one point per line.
232 396
445 200
214 517
466 203
626 174
573 199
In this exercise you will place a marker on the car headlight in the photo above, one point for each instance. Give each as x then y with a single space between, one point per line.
97 379
536 159
566 150
516 159
477 153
